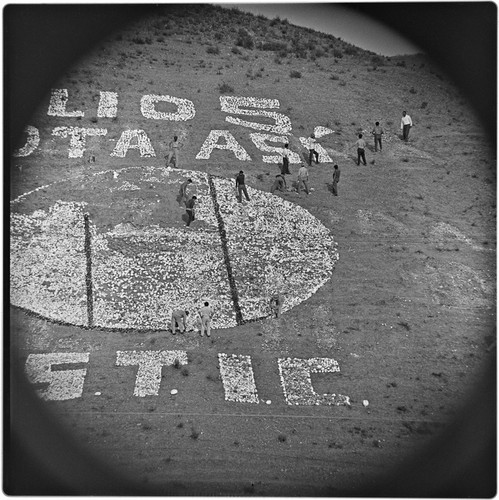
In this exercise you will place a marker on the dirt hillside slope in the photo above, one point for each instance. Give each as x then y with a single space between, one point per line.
389 290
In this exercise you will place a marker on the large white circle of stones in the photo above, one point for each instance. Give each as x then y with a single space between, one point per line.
112 250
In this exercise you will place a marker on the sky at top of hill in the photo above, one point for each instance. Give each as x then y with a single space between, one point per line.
339 20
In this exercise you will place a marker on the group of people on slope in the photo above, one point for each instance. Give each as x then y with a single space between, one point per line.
179 320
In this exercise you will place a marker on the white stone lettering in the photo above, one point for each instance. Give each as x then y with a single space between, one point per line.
232 104
124 144
185 108
58 102
150 363
259 141
323 156
211 143
63 384
297 383
238 379
108 105
78 136
32 142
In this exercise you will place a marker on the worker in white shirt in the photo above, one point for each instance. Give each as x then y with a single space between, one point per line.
205 313
405 126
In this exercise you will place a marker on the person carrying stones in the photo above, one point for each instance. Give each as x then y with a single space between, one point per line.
336 179
279 184
377 132
179 318
174 146
189 208
206 313
312 152
241 187
405 126
361 150
303 179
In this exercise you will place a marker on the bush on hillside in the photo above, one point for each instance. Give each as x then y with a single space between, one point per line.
225 88
351 51
295 74
213 50
273 45
337 54
244 39
235 50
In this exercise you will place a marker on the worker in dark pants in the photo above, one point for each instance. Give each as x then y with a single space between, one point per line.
189 207
336 179
241 187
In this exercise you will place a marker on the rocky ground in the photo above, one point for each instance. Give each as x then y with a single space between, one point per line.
409 311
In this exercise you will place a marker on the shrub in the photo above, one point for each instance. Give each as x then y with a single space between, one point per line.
235 50
413 90
244 39
273 46
377 61
225 88
351 51
213 50
401 64
337 53
424 104
295 74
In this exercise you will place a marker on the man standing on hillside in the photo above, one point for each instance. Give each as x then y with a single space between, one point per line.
361 147
241 187
312 152
377 132
303 179
173 152
189 208
285 160
336 179
405 126
205 313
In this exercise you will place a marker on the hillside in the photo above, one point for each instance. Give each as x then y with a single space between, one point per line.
405 321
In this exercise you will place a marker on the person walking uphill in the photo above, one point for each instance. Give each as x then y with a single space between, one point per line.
179 318
205 313
189 208
361 147
336 179
241 187
405 126
377 132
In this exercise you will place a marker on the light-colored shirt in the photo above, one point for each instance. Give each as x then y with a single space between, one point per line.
179 314
303 174
311 143
361 143
406 120
205 311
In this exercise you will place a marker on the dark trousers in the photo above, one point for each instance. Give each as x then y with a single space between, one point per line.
285 165
313 153
240 190
377 140
361 155
190 216
335 188
405 132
